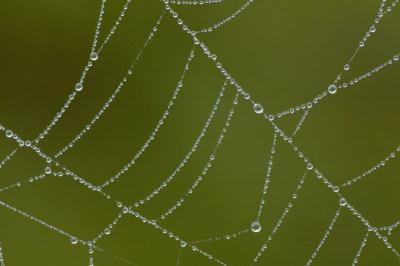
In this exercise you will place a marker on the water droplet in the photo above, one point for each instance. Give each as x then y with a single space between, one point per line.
255 227
94 56
78 86
183 244
332 89
258 108
107 231
310 166
342 202
372 29
74 240
47 170
9 133
335 189
346 67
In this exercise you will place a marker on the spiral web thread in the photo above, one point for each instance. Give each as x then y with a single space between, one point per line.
311 170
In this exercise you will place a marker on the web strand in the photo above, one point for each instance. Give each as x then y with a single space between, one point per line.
324 238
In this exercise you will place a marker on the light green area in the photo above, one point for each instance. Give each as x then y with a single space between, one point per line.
282 52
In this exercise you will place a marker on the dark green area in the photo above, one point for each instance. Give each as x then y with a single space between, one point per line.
282 52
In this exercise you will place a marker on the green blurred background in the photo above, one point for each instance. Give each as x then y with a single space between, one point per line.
282 52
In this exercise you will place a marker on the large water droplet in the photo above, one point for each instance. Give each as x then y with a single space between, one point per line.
94 56
74 240
332 89
255 227
258 108
372 29
78 86
47 170
342 202
9 133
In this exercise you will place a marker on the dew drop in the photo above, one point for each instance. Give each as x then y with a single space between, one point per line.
346 67
107 231
258 108
9 133
94 56
372 29
183 244
255 227
74 240
342 202
78 86
332 89
47 170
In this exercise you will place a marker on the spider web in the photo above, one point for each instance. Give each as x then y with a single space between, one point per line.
228 99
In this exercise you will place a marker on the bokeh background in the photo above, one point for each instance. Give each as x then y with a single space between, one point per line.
282 52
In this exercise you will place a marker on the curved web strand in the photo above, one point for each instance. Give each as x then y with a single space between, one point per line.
24 182
227 19
90 63
207 166
324 238
157 127
223 237
300 123
371 170
188 155
281 219
267 177
359 251
111 99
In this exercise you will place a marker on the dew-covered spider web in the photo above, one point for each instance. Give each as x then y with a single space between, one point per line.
200 132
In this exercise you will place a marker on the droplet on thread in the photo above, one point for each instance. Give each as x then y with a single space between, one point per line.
256 227
372 29
94 56
9 133
342 202
78 86
332 89
258 108
47 170
74 240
